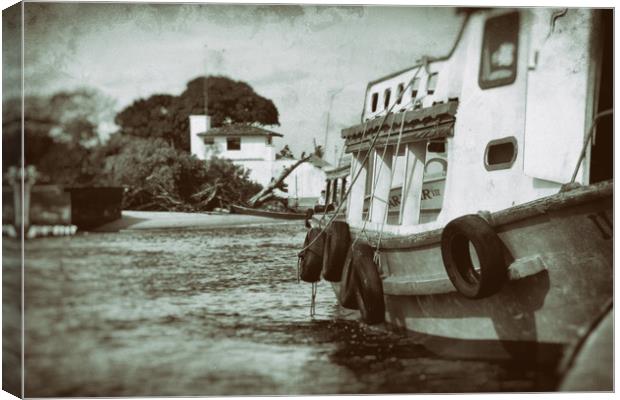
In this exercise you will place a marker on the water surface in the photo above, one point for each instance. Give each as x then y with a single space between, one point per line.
217 312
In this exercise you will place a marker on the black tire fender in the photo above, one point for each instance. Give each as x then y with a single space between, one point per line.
337 242
348 284
369 294
312 257
455 252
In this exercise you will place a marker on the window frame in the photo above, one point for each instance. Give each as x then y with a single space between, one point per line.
399 93
486 34
374 102
415 88
229 139
428 83
387 94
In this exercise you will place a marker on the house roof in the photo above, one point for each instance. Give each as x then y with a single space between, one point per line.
341 170
239 130
318 162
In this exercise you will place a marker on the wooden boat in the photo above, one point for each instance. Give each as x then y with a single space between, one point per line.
236 209
517 246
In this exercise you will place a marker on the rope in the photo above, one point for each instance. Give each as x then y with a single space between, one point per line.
371 146
345 197
374 186
376 177
300 257
313 300
377 255
597 118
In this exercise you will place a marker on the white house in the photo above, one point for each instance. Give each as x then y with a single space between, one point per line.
252 147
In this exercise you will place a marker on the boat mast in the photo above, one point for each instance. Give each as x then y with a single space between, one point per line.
204 81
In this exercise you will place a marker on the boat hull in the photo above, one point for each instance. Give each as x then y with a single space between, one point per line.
561 277
266 213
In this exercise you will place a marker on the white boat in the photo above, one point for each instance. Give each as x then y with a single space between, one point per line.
509 239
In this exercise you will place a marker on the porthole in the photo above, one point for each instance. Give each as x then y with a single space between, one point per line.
500 153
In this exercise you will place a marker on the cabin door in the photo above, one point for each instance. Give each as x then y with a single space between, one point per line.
560 92
602 153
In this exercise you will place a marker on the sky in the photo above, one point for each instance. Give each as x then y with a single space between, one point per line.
296 55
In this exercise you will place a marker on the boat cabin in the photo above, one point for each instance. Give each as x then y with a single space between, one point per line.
499 121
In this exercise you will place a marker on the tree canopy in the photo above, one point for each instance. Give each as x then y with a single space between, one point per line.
58 130
160 177
165 116
62 142
149 155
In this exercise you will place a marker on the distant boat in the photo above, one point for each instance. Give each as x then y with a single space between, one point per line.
236 209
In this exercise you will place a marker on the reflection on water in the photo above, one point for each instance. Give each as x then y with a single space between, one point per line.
215 312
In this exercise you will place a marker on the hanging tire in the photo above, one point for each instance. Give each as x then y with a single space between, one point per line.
348 283
369 294
337 243
470 281
312 257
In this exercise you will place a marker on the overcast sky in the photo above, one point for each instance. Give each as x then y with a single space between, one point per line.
295 55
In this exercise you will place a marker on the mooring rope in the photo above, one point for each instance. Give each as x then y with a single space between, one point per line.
300 257
313 300
595 121
375 180
377 255
371 146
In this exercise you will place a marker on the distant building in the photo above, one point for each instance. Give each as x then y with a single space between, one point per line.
252 147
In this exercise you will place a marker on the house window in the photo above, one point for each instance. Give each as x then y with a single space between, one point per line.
208 141
233 143
399 93
498 64
386 98
375 100
432 83
414 88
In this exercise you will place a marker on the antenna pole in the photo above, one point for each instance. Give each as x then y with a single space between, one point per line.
204 81
329 109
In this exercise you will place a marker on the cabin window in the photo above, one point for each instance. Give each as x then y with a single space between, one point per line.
374 101
436 147
432 83
500 153
208 141
498 64
233 143
399 93
386 98
415 86
269 140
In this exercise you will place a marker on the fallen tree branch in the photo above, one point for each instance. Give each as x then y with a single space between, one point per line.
267 193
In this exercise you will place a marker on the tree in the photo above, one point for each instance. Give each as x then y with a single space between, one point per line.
79 114
160 177
229 101
58 132
153 117
166 116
